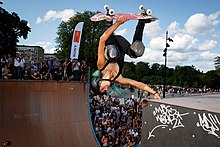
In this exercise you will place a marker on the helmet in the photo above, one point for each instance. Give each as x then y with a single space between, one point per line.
112 53
95 85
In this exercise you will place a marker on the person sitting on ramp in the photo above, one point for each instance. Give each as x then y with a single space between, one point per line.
111 51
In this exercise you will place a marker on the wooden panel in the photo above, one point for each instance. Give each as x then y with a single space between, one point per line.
45 113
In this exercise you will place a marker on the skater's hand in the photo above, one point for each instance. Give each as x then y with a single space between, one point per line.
156 96
122 19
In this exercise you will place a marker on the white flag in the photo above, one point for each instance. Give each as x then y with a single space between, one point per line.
74 53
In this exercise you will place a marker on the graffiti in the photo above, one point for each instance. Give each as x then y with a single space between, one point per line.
151 132
209 123
167 116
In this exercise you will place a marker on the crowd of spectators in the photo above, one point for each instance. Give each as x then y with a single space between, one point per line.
26 68
116 123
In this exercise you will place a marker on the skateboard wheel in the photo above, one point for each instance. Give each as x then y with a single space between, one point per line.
106 7
111 12
148 11
141 7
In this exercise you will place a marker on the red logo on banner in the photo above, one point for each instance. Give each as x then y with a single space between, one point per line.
76 36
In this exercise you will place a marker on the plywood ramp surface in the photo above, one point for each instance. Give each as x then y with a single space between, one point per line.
45 114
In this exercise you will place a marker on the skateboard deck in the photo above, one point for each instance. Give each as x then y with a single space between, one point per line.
110 15
134 16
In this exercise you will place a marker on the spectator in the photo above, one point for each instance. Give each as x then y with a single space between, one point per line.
44 67
69 71
58 74
22 63
6 73
49 75
76 70
10 59
4 60
56 64
28 63
84 70
10 63
105 140
43 75
17 67
65 69
26 73
35 75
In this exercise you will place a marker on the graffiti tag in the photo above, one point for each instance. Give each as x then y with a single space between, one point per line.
209 123
167 116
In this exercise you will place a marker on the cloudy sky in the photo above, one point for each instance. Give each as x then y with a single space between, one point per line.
193 25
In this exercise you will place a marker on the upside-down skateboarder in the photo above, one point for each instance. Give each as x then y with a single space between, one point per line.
111 51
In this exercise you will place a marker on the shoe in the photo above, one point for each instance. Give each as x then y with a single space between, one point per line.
148 19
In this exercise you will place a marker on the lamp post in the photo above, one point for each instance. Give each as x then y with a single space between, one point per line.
165 65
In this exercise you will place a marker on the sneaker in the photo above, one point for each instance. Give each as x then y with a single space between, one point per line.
148 19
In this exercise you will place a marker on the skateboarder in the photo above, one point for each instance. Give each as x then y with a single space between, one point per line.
111 51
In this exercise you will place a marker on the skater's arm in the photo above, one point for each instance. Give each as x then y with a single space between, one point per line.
101 58
138 85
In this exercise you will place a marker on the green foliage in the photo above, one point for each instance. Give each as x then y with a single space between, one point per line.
186 76
11 29
129 70
217 62
142 70
212 79
89 40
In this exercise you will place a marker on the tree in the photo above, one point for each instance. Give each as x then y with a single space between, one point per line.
11 29
217 65
142 71
89 40
212 80
129 70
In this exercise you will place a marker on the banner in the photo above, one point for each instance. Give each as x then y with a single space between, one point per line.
74 53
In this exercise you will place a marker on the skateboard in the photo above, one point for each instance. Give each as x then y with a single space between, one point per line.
111 15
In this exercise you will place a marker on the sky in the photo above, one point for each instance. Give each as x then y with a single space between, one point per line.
194 25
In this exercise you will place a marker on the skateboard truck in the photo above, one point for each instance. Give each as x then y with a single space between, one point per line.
145 12
110 12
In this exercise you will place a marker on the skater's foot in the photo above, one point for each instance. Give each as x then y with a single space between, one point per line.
149 19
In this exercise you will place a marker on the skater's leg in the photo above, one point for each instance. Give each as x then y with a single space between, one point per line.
137 48
137 44
139 31
124 46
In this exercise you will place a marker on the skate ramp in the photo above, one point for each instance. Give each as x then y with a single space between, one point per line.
184 122
45 114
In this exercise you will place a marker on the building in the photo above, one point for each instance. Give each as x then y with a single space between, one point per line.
49 56
35 52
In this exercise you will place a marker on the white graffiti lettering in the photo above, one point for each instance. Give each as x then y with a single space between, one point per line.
209 123
167 116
